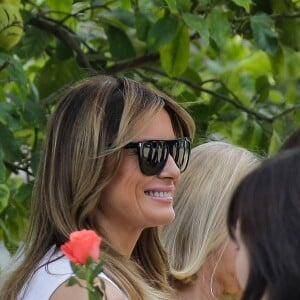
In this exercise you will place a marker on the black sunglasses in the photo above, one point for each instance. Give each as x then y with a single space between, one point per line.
153 154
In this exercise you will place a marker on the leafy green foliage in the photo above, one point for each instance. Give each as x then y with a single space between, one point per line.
161 33
4 196
174 56
234 65
264 33
120 45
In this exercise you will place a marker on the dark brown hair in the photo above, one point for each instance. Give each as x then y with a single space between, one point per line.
266 204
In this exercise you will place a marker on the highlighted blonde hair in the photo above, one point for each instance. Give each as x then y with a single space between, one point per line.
92 122
201 204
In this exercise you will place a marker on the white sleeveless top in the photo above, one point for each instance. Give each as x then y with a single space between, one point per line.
50 276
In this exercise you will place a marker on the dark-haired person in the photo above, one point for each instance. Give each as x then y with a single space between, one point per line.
112 159
264 221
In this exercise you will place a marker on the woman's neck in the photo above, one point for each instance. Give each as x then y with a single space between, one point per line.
204 291
198 292
122 238
203 288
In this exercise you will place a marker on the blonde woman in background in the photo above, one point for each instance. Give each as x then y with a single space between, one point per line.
112 158
201 255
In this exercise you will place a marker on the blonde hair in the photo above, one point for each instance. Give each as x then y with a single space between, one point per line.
94 120
200 203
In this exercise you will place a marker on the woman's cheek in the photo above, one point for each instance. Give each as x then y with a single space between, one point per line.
242 267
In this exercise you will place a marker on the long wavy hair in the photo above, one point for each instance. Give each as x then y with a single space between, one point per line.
200 203
94 120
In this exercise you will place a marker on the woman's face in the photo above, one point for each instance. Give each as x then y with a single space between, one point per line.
242 259
135 201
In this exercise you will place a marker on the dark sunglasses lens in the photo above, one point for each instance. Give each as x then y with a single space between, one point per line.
153 157
180 151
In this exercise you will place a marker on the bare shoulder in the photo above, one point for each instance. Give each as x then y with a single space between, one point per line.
74 292
112 292
77 292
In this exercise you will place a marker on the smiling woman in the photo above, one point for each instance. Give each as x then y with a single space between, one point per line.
112 159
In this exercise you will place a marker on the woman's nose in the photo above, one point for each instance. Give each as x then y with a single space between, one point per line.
170 169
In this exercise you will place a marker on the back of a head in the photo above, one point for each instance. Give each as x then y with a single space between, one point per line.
201 203
267 207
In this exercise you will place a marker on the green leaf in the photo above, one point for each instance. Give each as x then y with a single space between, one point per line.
262 87
33 43
9 145
12 229
291 94
174 56
35 159
2 166
258 137
281 6
275 143
119 43
93 296
219 27
172 4
119 17
57 73
257 64
60 6
185 5
4 196
264 33
243 3
14 72
142 25
96 270
79 270
199 24
162 33
62 51
23 196
9 113
277 61
72 281
90 262
4 111
289 32
251 135
239 127
126 4
34 114
206 3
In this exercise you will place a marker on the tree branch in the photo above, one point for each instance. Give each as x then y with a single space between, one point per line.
67 37
132 63
64 36
285 16
199 87
233 101
74 15
286 112
15 169
4 65
274 16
